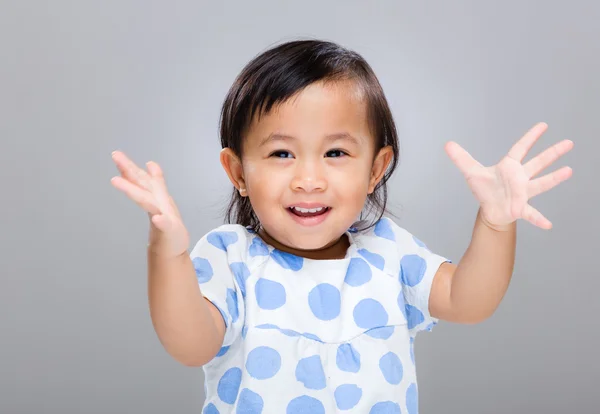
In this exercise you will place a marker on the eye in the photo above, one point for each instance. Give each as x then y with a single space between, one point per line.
335 153
281 154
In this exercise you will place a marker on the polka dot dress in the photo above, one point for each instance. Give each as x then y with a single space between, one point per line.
316 336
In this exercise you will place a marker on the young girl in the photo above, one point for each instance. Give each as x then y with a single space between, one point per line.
302 304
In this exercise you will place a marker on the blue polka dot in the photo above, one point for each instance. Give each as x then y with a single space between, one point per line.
305 405
222 351
263 362
204 271
249 402
412 269
312 336
258 248
412 399
287 260
412 349
267 326
373 258
287 332
232 305
347 358
210 409
244 331
391 368
383 229
229 385
385 407
241 274
347 396
414 316
269 294
402 304
309 372
359 272
369 313
324 301
222 239
383 332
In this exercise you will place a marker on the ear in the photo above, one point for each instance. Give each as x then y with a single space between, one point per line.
380 166
233 167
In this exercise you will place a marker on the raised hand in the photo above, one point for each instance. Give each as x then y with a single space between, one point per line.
168 235
504 190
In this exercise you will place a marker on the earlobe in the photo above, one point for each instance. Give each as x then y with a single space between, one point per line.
233 167
380 166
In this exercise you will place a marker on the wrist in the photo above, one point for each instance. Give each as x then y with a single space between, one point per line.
501 228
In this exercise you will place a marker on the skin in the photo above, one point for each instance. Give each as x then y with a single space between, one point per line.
467 292
308 150
313 160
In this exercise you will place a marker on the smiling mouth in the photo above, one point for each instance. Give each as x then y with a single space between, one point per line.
308 212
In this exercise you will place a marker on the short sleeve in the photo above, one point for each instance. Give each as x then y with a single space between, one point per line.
218 260
418 266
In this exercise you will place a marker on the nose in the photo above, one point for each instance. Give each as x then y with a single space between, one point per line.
309 177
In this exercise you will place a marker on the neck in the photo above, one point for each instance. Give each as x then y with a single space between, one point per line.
334 250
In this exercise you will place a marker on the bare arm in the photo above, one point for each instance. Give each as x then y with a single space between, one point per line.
471 291
189 327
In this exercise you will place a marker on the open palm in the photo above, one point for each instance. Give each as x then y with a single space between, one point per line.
504 190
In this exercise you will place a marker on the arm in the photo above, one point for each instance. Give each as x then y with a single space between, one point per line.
471 291
189 327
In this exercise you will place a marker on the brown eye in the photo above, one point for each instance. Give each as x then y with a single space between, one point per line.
281 154
335 153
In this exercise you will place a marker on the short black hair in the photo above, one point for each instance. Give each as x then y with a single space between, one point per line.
281 72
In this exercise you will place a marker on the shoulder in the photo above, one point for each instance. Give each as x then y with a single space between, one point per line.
390 242
227 240
387 232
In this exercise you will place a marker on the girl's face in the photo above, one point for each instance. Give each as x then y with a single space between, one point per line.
308 167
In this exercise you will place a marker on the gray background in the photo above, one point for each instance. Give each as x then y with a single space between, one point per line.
79 79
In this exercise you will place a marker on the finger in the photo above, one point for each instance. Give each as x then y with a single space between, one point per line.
131 171
140 196
461 158
160 190
536 218
523 145
548 181
534 166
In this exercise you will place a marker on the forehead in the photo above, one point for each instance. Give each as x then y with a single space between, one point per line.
318 111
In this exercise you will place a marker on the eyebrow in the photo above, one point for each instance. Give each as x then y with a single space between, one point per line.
341 136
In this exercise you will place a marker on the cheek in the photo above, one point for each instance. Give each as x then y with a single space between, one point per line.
262 181
351 184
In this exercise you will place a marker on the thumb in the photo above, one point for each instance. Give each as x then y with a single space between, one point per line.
461 158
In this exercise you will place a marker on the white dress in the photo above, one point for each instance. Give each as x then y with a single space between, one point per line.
316 336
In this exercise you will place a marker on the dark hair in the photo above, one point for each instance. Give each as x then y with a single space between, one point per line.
281 72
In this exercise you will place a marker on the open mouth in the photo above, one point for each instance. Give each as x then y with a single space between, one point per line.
308 212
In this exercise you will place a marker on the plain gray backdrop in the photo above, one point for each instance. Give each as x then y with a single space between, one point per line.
79 79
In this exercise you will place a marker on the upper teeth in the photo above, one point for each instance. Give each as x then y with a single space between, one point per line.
308 210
